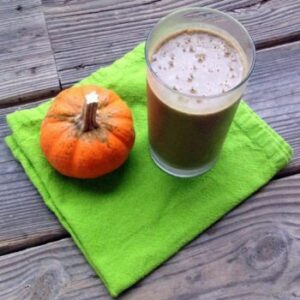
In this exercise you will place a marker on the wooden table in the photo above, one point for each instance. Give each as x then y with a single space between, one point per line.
252 253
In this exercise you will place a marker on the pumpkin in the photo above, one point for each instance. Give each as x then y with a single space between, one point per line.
87 132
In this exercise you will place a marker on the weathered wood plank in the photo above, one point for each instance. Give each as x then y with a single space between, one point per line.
27 63
253 253
24 219
88 34
273 91
52 271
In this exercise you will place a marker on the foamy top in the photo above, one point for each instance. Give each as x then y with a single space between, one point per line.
198 63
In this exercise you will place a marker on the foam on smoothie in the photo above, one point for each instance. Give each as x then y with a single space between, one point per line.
198 63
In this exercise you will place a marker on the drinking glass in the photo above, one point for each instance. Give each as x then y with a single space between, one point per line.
184 140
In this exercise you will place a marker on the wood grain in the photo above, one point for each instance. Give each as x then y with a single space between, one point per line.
52 271
273 92
88 34
27 64
252 253
24 219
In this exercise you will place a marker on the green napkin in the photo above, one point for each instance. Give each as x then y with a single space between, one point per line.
129 222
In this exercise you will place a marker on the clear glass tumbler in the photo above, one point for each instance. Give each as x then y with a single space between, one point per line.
184 139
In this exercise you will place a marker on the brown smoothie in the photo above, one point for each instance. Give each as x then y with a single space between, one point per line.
188 125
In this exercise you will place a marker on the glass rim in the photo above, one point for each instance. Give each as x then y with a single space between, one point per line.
210 10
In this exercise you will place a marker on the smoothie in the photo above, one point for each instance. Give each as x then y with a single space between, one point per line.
187 128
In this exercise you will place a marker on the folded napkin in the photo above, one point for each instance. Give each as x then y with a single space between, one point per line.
130 221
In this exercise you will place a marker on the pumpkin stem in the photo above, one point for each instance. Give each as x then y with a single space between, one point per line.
89 112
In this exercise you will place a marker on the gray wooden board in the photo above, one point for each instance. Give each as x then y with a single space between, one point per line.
252 253
24 219
88 34
273 92
27 64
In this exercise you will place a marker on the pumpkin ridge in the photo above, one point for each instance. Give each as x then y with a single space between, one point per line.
100 133
112 130
52 148
73 164
119 116
62 117
105 117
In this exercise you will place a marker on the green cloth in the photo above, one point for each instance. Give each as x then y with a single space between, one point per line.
129 222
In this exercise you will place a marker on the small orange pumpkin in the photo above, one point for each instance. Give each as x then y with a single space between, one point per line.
87 132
